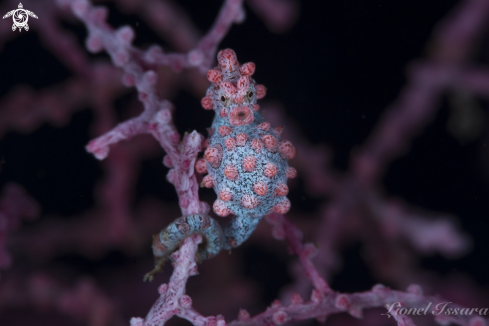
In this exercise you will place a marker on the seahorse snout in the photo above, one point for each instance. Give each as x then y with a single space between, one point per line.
241 116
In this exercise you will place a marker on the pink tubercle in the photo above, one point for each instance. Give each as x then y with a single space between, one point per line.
230 143
270 170
291 172
243 83
220 208
281 190
208 181
265 126
206 103
231 172
282 207
225 195
247 69
249 201
261 91
201 166
260 188
225 130
228 88
241 139
286 149
256 145
249 163
227 60
213 155
278 130
270 143
214 76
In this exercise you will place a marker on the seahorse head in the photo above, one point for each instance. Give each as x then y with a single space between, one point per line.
233 93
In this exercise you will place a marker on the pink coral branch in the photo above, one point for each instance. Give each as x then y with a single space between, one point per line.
392 221
24 110
61 43
181 159
15 204
426 235
324 301
173 301
284 229
279 15
474 80
322 180
168 19
403 320
182 176
204 54
124 55
153 120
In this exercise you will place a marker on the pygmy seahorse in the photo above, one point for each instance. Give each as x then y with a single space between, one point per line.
246 161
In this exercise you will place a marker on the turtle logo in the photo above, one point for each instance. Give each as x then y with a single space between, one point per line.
20 16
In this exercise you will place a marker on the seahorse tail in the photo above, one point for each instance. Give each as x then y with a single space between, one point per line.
238 230
170 238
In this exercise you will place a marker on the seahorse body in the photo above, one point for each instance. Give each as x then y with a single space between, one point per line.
246 159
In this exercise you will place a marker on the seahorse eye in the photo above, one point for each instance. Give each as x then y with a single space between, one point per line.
250 94
223 99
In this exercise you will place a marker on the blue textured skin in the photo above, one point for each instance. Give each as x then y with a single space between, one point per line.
246 220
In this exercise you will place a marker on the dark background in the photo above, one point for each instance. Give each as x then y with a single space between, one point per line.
335 71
